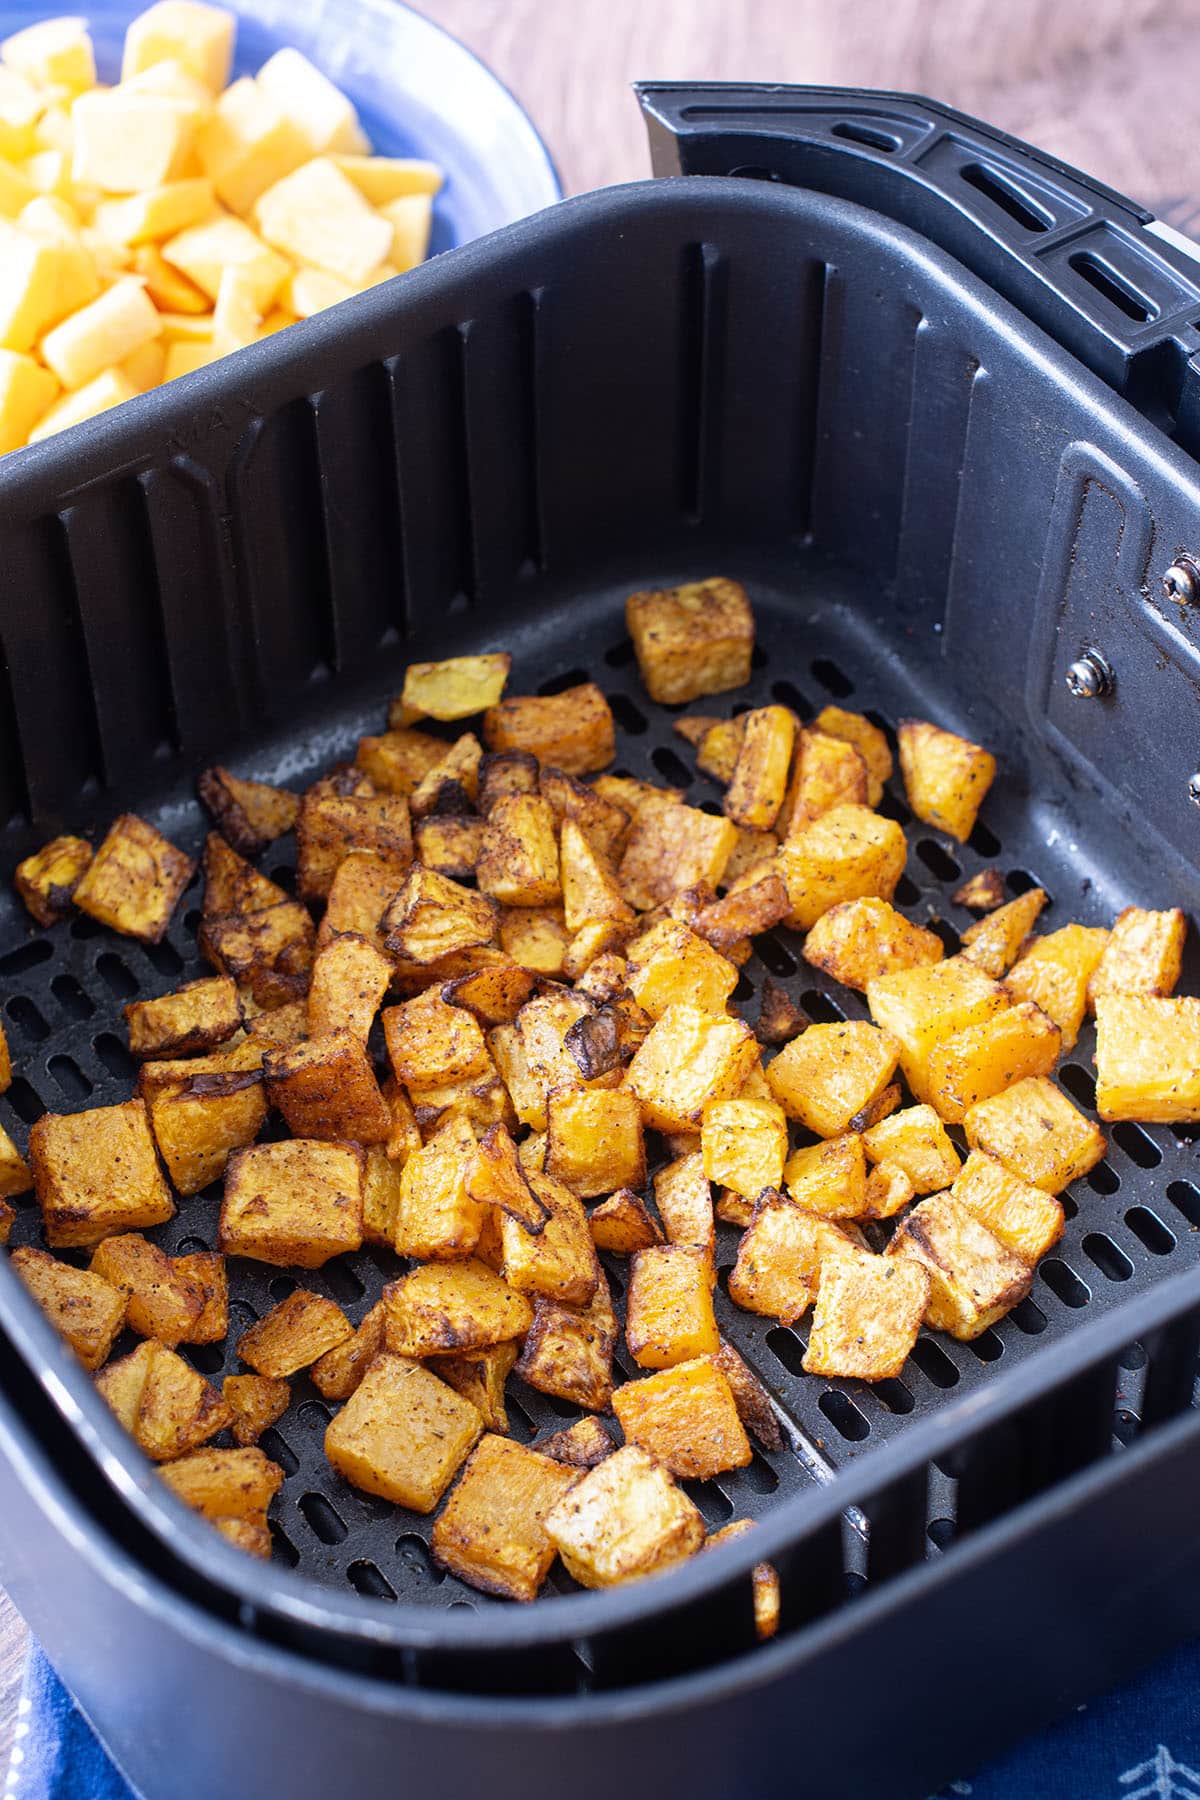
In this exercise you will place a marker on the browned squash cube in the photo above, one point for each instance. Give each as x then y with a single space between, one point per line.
363 889
231 884
868 1313
719 748
572 731
535 937
491 1533
860 940
889 1191
177 1410
543 1024
621 1224
849 853
558 1261
974 1279
431 917
1142 956
294 1334
752 850
829 1073
915 1140
507 772
496 1177
450 1308
1054 972
1024 1218
248 814
203 1107
457 688
669 1316
1147 1058
338 1372
760 776
134 881
683 1196
568 1351
83 1307
16 1177
604 823
995 942
527 1095
480 1378
518 857
395 761
689 1061
691 640
870 742
751 1398
452 784
96 1173
331 826
225 1484
582 1445
207 1269
671 848
827 772
292 1203
754 903
685 1417
595 1140
624 1519
945 776
349 980
779 1259
162 1301
744 1144
764 1577
670 963
8 1218
449 843
830 1178
251 1535
403 1434
326 1088
985 1059
269 952
255 1401
779 1017
46 881
436 1217
589 886
198 1016
121 1383
919 1007
493 994
429 1041
1037 1133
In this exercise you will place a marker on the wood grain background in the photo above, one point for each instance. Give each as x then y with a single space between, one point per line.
1098 84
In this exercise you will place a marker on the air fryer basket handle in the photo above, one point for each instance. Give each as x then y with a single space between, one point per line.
1081 261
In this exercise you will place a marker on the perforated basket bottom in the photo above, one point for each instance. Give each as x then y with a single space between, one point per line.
1136 1215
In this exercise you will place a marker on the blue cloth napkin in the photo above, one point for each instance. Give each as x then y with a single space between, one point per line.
1134 1744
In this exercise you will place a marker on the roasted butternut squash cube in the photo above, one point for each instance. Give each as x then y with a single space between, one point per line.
974 1279
670 1317
779 1017
753 904
480 1378
496 1177
752 850
493 994
1054 972
734 1209
594 938
349 980
198 1016
177 1410
490 1533
849 853
121 1383
207 1269
403 1434
919 1007
691 640
134 881
449 843
46 881
527 1095
945 776
689 1061
231 884
457 688
572 731
830 1178
397 760
744 1145
604 823
332 826
1147 1058
750 1397
589 886
431 1042
339 1370
255 1401
295 1203
203 1107
1142 956
624 1519
862 939
764 1579
889 1191
1037 1133
603 1042
518 857
252 1534
248 814
431 917
779 1259
1024 1218
294 1334
686 1419
451 1308
995 942
535 937
96 1174
985 1059
16 1177
326 1088
621 1224
436 1218
558 1261
670 964
635 797
831 1072
915 1140
827 772
506 772
363 888
225 1485
162 1301
568 1350
760 777
867 738
82 1305
867 1316
671 848
595 1140
582 1445
720 746
452 784
684 1199
268 952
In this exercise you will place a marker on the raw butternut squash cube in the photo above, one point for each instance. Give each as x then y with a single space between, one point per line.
451 1308
920 1007
161 1301
255 1401
480 1378
42 279
452 783
411 219
670 1309
1142 956
154 214
134 881
247 144
974 1278
381 1188
915 1140
403 1434
126 142
53 53
198 1016
146 365
457 688
338 1372
623 1520
719 748
1024 1218
945 776
330 826
568 1350
431 917
15 1175
684 1199
691 640
867 738
108 389
621 1224
1147 1058
670 964
326 1088
867 1316
349 979
490 1533
827 772
582 1445
558 1261
17 188
686 1419
1037 1133
83 1307
572 731
225 1485
995 942
449 843
1054 971
204 252
26 392
177 1410
311 100
831 1072
671 848
397 761
96 1174
436 1218
46 881
830 1178
848 853
604 823
294 1334
744 1144
236 317
779 1261
535 937
595 1141
760 777
984 1059
860 940
689 1060
518 858
297 1203
184 31
384 178
268 952
207 1269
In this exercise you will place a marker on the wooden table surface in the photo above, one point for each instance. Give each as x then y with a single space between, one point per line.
1092 84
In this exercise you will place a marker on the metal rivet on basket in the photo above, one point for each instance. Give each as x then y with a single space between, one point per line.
1090 676
1194 789
1181 582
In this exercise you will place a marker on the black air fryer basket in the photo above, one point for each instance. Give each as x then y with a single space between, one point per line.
934 398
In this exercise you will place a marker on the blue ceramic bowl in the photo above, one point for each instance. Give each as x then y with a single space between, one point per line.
418 91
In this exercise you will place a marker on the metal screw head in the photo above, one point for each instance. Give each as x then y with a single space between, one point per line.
1090 676
1194 789
1181 582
